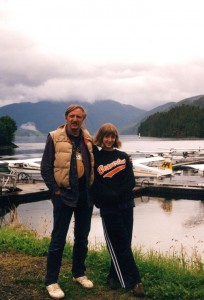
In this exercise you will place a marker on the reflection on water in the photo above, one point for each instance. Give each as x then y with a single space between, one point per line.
27 147
166 205
161 225
196 219
168 226
6 152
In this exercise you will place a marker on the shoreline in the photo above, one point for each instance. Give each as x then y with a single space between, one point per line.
23 263
8 147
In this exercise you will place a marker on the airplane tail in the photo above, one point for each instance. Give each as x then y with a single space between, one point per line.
166 165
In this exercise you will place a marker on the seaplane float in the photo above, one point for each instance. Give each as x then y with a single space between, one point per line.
197 168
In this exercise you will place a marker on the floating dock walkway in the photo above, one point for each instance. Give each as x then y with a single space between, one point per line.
16 192
25 193
177 187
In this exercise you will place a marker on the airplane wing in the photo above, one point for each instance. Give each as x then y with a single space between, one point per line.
30 163
142 170
146 160
38 159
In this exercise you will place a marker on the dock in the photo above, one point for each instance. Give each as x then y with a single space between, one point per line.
15 191
25 193
34 191
177 187
169 192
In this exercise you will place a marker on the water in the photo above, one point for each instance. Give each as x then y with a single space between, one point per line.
168 226
163 225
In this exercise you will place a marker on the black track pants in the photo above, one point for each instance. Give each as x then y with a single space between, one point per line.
117 226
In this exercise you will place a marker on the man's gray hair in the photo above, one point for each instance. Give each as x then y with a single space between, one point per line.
73 107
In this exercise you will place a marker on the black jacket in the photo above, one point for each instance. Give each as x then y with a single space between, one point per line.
114 178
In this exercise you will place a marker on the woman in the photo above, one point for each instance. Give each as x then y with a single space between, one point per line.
112 190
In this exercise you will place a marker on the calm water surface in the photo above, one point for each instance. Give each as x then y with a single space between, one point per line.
163 225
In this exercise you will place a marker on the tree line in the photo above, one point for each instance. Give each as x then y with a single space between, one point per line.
179 122
7 130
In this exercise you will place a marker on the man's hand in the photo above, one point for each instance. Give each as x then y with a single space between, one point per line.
57 193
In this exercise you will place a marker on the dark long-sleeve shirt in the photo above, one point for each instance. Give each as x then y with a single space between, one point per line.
114 179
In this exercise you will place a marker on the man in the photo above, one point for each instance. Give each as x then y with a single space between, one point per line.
67 169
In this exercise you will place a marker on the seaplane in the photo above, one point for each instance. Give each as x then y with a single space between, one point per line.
26 166
185 152
173 152
142 169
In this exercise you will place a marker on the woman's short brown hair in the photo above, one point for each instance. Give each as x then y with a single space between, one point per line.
104 130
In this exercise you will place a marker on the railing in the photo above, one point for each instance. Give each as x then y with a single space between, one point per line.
8 181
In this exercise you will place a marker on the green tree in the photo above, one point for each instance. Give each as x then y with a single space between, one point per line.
7 130
179 122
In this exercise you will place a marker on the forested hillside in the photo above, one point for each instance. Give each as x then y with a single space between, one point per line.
179 122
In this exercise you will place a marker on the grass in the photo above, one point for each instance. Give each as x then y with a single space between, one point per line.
23 264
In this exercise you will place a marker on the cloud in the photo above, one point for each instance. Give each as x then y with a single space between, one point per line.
135 54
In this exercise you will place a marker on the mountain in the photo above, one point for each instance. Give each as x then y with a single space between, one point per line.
133 128
195 101
47 115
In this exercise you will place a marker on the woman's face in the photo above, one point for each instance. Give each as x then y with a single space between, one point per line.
108 142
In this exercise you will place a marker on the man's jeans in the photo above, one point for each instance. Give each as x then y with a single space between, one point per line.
62 218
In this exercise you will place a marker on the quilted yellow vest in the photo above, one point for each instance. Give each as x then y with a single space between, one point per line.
63 152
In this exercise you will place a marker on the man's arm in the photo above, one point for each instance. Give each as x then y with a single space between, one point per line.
47 166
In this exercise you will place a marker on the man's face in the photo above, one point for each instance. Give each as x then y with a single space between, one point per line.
75 120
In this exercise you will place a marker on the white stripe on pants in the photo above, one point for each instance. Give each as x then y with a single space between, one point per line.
113 256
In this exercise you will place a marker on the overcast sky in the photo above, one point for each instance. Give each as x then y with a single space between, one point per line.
139 52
